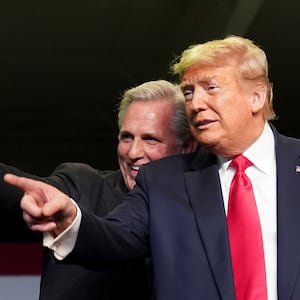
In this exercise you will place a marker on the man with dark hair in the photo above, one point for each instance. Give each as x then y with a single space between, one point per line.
152 124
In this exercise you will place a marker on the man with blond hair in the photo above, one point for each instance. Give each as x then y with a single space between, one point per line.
220 223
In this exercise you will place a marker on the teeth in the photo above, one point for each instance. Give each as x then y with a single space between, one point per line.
135 168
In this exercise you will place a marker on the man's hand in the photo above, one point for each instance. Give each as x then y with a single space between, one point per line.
45 208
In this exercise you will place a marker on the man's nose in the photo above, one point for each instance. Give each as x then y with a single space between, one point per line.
136 149
199 101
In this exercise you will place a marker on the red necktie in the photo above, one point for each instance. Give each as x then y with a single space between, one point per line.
245 236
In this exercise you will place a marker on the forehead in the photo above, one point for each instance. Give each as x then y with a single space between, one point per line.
147 114
208 72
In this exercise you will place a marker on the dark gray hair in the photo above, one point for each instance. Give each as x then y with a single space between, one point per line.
159 90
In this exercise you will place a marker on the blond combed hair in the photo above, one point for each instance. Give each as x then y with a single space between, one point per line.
249 57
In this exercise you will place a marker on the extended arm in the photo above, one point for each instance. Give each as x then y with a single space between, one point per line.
111 240
45 208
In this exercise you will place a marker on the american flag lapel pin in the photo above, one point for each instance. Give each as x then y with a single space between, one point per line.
297 169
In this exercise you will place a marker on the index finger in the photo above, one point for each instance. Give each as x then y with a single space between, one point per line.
29 186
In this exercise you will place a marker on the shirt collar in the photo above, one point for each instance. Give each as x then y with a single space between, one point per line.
261 153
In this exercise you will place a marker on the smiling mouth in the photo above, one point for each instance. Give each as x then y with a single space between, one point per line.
135 168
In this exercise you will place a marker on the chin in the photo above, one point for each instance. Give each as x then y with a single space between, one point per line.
204 140
209 144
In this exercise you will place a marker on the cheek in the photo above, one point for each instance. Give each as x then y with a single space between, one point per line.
122 150
154 153
237 117
166 150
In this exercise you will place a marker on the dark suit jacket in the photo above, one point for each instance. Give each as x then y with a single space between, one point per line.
98 192
177 211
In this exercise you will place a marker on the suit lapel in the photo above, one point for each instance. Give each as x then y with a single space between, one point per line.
204 190
288 216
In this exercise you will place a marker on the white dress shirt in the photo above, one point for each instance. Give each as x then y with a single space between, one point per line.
63 244
263 177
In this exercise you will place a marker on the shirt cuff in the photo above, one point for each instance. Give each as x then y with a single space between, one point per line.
64 243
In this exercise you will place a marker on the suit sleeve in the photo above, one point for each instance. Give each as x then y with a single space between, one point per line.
120 237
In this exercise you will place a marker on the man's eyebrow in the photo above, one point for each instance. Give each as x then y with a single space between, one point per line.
124 132
185 85
149 135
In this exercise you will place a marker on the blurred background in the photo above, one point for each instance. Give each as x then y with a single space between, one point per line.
64 65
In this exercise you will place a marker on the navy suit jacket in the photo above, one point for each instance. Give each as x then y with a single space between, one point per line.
177 213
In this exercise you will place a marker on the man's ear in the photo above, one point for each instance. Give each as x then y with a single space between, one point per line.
259 97
189 145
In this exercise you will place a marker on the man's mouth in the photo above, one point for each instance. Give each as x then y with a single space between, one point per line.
135 168
202 123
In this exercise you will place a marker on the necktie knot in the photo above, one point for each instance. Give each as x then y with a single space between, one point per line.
241 163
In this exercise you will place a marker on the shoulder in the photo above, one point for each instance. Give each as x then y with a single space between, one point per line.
286 142
171 165
97 190
70 167
74 169
80 176
179 159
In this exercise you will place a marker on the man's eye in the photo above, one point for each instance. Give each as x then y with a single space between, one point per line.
151 141
126 137
211 87
188 94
